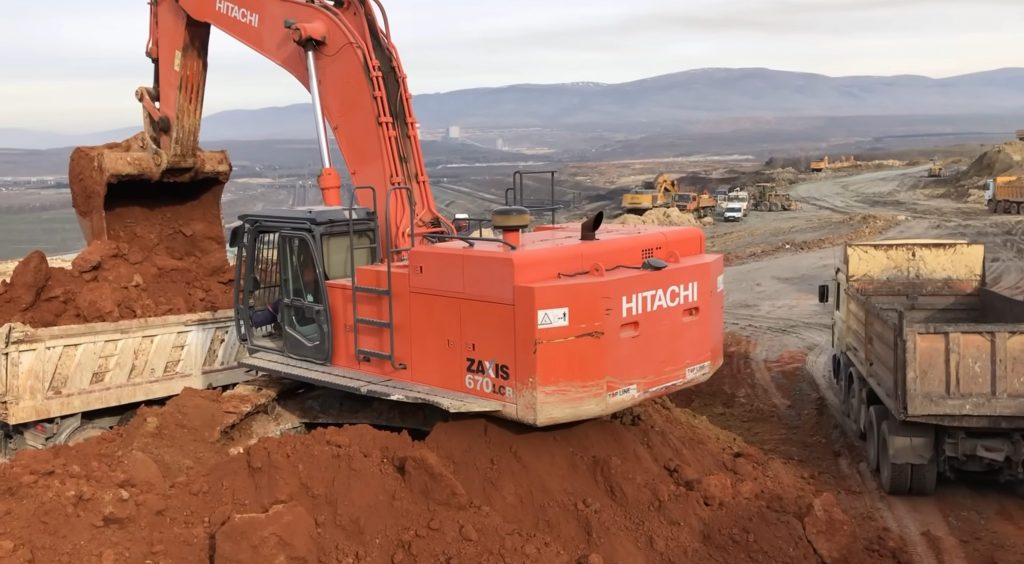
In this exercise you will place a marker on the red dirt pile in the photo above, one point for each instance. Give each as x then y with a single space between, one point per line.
656 484
164 255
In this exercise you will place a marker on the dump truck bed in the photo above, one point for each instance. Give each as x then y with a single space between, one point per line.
935 344
961 365
54 372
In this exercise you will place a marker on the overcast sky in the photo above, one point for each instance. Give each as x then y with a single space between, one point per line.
73 66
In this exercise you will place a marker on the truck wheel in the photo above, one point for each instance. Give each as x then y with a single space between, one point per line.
924 477
776 207
895 478
86 432
860 416
83 432
876 415
1014 209
847 391
991 206
853 401
1000 207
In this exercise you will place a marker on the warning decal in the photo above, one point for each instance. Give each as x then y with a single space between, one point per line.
550 318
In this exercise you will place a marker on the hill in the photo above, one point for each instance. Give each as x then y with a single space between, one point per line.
696 100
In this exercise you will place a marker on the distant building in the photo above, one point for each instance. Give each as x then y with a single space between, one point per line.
454 132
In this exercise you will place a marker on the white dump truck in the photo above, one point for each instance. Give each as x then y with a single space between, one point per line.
61 385
928 362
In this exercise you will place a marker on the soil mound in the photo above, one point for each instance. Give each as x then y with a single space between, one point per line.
654 484
164 254
666 217
1004 160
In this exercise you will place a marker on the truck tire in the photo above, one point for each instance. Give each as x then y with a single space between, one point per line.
1014 209
894 478
853 400
860 416
763 206
846 389
775 206
924 477
1000 207
877 414
991 204
83 432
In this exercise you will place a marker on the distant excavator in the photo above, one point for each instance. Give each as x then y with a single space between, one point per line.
658 193
381 296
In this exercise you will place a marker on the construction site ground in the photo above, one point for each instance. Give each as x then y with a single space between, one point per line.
753 466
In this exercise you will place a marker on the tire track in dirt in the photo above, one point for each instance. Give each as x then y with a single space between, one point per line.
911 518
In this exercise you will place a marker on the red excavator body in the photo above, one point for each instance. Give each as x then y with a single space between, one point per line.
381 296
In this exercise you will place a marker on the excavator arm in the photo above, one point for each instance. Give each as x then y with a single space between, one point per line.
342 54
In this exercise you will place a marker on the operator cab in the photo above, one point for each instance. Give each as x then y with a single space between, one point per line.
284 258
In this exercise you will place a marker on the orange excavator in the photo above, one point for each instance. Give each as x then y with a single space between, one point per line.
379 296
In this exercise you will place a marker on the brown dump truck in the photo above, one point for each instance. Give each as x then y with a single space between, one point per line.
1005 194
60 385
700 205
928 362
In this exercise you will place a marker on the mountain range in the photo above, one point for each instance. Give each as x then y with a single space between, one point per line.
692 100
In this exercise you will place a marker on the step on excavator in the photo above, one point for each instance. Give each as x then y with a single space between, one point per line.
380 296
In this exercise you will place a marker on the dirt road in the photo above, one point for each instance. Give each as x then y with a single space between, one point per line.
782 403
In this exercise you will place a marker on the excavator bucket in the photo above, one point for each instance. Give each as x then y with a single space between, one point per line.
110 182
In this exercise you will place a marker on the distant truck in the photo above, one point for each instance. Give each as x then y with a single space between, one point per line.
1005 194
700 205
928 362
740 197
936 170
61 385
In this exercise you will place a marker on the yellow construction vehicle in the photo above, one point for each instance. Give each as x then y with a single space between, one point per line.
819 166
658 193
936 170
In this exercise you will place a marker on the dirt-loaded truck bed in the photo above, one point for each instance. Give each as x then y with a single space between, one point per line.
929 363
64 384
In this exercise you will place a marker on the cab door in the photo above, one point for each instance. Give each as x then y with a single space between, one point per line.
304 317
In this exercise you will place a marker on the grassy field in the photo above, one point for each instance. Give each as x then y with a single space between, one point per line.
51 231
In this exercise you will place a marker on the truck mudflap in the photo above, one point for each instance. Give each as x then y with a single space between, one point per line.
911 443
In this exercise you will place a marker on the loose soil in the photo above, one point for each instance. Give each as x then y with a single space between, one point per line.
654 484
666 217
164 254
